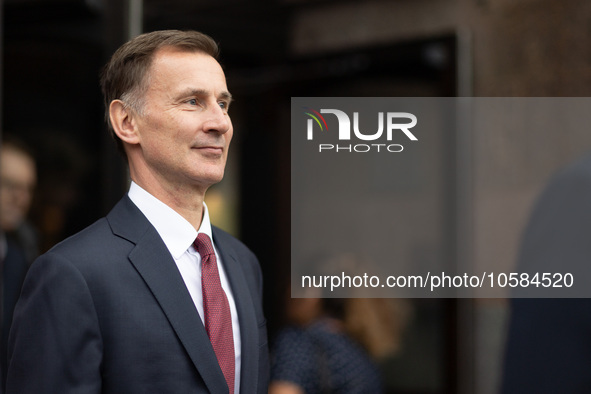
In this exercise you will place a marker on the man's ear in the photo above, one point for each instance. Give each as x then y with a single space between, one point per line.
123 120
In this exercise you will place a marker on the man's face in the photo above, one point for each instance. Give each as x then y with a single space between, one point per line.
184 129
17 181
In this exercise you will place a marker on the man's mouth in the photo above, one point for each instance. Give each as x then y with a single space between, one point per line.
211 149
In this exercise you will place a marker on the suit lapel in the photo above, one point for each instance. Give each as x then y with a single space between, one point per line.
246 314
157 268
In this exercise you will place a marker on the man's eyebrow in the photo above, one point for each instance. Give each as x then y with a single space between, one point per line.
225 95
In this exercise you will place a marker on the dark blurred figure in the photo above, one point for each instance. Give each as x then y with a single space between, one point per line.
333 345
18 178
549 340
18 248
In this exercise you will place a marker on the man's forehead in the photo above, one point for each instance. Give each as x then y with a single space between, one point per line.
174 71
172 52
171 60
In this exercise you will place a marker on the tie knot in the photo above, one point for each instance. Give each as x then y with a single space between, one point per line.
203 245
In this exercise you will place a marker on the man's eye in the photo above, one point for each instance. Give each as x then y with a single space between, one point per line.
223 105
192 102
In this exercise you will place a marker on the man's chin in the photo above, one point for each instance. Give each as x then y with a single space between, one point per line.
210 179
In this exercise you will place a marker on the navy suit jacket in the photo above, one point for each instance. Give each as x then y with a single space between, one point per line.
107 311
14 269
549 340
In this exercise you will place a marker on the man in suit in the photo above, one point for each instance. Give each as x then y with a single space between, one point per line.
123 307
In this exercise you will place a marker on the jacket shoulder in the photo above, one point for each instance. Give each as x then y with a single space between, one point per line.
91 238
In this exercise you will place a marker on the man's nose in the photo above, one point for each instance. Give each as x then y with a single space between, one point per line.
218 120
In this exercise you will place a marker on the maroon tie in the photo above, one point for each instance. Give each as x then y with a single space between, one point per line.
216 310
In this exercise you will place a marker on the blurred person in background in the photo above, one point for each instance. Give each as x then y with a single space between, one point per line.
548 347
18 178
18 247
334 345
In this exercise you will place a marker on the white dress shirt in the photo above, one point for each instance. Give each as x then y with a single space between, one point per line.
178 235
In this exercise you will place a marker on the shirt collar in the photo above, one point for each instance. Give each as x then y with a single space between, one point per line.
176 232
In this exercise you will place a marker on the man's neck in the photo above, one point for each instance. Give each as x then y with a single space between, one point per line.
187 202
